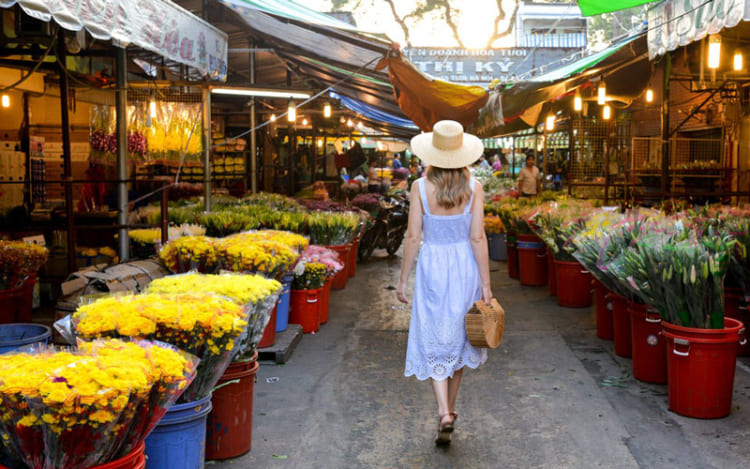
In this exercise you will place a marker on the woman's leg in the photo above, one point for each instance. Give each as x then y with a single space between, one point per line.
440 388
453 384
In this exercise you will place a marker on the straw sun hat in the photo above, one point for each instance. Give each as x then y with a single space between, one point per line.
447 146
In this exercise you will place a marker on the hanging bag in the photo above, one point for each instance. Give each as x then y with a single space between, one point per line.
485 324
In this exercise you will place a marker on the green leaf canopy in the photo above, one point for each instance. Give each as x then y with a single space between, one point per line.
597 7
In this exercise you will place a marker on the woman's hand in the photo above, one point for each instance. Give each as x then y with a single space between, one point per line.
401 293
487 294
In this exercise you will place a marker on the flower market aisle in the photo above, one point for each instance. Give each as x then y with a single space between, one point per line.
552 395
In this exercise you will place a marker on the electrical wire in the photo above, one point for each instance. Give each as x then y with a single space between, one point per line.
34 68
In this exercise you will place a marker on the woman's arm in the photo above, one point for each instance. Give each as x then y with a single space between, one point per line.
411 241
479 242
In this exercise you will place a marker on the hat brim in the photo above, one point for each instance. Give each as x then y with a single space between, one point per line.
469 152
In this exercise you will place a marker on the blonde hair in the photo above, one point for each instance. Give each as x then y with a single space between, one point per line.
452 185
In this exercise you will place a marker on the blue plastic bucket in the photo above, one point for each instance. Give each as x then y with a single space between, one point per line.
15 336
179 440
282 309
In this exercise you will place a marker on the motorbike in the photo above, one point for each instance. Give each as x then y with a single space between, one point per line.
387 230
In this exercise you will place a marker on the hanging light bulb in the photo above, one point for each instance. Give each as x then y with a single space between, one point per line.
738 61
320 143
549 123
349 123
152 109
714 51
649 95
607 112
5 100
577 102
273 117
360 125
342 120
327 110
601 97
291 112
304 121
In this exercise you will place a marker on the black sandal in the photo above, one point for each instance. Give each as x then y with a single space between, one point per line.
444 431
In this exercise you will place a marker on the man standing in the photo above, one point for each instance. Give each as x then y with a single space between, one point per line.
396 162
529 180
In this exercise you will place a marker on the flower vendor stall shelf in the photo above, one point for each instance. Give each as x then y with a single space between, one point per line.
305 309
180 438
648 346
735 307
551 275
532 260
229 429
91 407
15 336
701 365
573 285
603 312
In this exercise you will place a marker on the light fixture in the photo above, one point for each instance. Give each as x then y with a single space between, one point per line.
607 112
714 51
304 121
577 102
601 97
152 109
291 112
360 125
5 100
349 123
262 93
273 117
649 95
320 143
549 123
327 110
738 61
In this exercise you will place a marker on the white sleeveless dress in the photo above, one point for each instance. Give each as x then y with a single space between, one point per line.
446 286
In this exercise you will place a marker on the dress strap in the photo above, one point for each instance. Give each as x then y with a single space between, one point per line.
423 195
467 209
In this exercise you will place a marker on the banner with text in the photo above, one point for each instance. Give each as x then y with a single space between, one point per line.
159 26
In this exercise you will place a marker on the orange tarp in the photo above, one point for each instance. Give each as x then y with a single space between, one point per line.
426 100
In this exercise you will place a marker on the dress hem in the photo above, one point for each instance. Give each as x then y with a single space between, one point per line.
474 367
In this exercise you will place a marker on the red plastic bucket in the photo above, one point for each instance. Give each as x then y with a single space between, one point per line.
622 333
735 307
701 365
512 257
352 258
532 261
648 345
340 279
551 275
603 310
573 285
269 333
135 460
325 296
229 428
17 302
305 309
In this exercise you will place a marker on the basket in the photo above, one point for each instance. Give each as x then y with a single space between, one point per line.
485 324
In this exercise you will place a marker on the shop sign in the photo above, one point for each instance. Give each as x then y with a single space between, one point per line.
158 26
675 23
481 66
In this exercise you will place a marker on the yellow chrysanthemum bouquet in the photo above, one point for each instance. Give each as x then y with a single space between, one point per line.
205 325
493 224
18 260
257 296
72 410
190 253
252 253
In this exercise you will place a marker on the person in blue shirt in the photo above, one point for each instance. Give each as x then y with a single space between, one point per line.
396 162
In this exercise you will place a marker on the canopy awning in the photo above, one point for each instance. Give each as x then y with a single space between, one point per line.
158 26
372 113
597 7
294 11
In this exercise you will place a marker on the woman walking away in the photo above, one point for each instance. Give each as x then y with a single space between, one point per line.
452 269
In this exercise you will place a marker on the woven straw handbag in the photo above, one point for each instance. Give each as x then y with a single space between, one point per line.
485 324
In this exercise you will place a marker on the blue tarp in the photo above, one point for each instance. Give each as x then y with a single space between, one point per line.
372 113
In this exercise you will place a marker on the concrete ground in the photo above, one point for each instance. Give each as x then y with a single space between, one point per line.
552 395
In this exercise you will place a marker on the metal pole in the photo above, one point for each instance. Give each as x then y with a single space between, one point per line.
207 148
67 163
28 190
121 105
253 138
665 126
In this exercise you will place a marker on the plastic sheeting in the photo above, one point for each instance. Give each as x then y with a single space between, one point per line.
372 113
158 26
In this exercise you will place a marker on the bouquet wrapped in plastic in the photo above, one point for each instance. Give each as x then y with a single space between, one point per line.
246 253
309 275
257 296
18 260
493 224
190 253
557 222
74 410
207 326
333 229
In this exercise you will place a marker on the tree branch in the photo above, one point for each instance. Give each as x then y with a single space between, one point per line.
400 21
451 24
496 33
